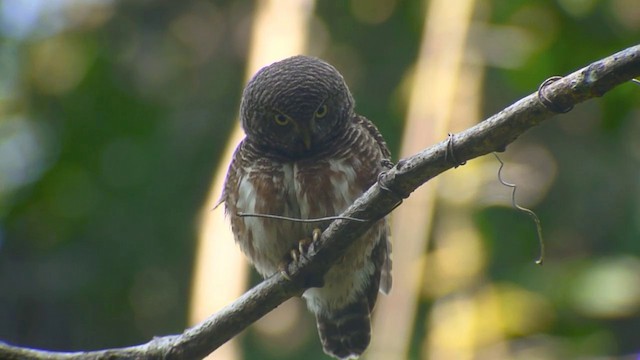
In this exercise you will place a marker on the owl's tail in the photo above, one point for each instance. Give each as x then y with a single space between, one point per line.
346 333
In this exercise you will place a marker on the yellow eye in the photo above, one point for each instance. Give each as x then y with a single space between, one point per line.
281 119
322 111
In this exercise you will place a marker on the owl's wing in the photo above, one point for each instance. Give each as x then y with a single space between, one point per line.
384 261
234 174
382 252
375 133
381 257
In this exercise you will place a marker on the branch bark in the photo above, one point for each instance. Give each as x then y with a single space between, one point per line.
493 134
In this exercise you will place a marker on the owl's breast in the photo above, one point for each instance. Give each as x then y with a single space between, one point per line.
327 187
300 190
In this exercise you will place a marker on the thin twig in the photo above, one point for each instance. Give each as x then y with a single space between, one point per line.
529 212
314 220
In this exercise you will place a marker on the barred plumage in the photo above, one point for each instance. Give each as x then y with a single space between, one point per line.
306 155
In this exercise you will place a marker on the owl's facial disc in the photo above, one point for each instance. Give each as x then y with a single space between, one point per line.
301 131
296 107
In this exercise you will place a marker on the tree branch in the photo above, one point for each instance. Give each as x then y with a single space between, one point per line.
493 134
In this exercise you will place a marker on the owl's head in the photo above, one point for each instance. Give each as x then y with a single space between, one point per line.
296 106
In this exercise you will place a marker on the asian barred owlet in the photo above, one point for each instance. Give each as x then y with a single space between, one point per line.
307 155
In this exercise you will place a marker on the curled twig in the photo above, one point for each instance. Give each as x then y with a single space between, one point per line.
529 212
548 103
450 155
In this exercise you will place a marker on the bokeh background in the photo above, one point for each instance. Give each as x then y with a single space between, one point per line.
115 124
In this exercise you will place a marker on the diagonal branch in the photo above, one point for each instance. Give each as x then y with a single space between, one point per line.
493 134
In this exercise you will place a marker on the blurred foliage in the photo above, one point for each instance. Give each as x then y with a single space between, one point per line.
113 116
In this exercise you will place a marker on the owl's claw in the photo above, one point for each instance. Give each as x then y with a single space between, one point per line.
283 267
298 253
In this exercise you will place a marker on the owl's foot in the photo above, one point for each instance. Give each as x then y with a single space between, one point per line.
304 244
298 253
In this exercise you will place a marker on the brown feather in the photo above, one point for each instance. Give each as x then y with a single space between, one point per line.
272 173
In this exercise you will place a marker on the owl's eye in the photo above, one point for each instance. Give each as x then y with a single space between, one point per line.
322 111
281 119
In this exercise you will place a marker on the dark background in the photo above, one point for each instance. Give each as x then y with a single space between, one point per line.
113 116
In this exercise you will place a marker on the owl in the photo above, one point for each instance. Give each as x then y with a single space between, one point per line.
307 155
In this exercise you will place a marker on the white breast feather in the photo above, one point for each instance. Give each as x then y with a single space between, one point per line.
247 198
341 184
301 196
269 244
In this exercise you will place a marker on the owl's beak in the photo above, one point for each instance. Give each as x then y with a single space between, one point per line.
305 133
306 137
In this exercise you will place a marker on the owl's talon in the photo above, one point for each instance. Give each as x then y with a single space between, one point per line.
315 235
283 267
305 244
303 247
296 254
